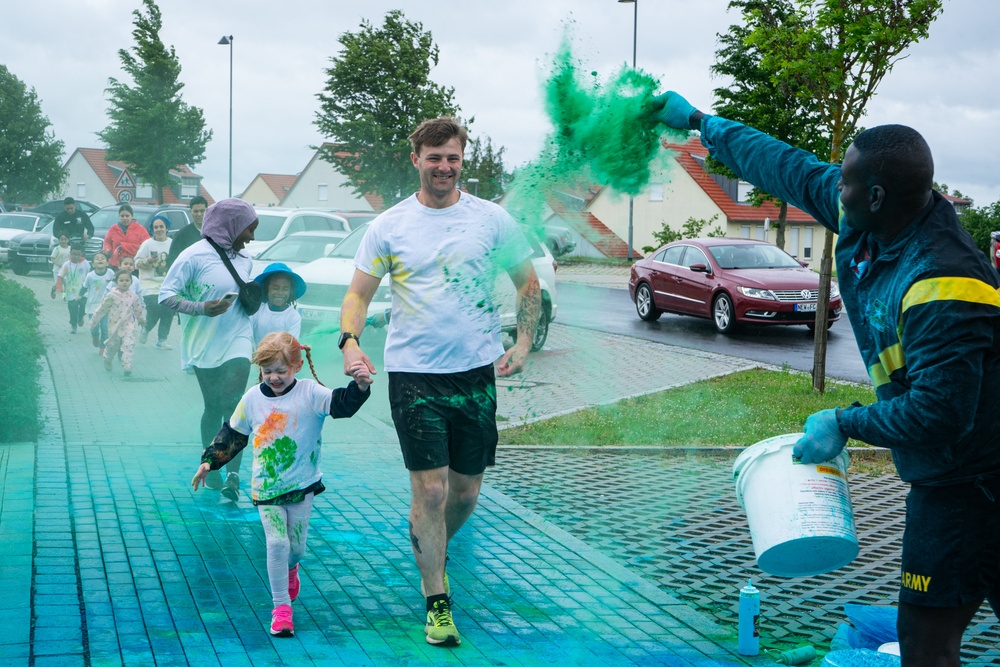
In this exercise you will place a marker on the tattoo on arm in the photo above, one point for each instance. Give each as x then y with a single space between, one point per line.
529 308
414 540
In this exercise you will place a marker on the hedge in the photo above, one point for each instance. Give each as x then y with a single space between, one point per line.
20 347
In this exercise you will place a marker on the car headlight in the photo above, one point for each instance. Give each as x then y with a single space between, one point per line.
834 290
757 293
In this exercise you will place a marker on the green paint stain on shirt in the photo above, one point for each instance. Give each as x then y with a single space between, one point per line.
274 459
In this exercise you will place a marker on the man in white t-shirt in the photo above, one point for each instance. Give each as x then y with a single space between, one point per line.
443 248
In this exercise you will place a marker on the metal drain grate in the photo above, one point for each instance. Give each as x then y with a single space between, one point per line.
675 521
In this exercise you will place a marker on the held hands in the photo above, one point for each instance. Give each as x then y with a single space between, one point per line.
361 375
216 307
673 110
199 477
823 438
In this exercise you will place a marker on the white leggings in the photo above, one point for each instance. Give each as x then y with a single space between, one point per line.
285 529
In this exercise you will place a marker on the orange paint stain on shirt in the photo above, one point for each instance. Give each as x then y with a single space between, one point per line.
271 429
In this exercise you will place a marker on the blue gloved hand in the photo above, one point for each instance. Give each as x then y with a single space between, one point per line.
673 110
823 438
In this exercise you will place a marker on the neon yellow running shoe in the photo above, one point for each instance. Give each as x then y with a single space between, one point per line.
440 628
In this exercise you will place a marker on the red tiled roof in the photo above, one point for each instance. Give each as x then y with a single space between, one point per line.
956 201
735 211
594 231
97 159
280 184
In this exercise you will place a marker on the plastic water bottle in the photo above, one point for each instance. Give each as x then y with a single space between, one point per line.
797 656
748 642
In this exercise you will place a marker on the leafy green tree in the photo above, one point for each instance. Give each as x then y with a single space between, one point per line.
378 90
754 99
834 53
485 163
691 229
30 156
152 129
980 222
943 189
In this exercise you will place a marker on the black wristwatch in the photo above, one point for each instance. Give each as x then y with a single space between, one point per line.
346 336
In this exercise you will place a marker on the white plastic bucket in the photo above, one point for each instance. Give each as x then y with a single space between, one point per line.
800 515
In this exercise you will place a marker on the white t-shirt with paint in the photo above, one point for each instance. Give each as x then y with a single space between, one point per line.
150 279
443 263
199 275
96 287
285 434
266 321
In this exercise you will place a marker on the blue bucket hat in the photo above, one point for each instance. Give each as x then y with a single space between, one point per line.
279 268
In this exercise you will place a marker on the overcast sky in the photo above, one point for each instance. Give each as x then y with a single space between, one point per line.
493 53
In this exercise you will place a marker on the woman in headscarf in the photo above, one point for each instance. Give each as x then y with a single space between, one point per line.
216 338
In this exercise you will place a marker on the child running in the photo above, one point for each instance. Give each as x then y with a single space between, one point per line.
127 262
58 257
94 286
69 281
125 313
278 313
285 418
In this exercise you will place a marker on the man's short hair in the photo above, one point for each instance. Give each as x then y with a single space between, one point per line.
438 131
197 199
898 158
68 201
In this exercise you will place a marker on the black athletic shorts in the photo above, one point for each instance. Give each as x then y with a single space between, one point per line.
951 544
446 419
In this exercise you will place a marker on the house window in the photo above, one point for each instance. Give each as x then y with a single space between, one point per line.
743 191
807 246
759 233
792 246
143 191
322 195
81 190
189 188
744 231
656 192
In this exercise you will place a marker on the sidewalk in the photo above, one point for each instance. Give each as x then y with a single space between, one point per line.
597 275
110 558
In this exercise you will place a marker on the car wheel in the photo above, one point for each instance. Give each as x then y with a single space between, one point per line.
541 331
644 304
19 268
723 314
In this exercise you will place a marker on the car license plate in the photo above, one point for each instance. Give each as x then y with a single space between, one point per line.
309 314
805 307
36 260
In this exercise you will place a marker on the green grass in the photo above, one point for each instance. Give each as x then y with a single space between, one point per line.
594 261
734 410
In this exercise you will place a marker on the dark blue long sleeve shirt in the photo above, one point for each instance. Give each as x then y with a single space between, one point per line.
924 308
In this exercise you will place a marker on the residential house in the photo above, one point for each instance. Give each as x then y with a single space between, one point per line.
91 176
320 185
268 189
598 217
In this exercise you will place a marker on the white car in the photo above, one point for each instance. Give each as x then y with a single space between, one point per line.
297 250
15 224
328 278
276 223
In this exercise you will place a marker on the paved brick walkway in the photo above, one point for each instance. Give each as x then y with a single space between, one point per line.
110 559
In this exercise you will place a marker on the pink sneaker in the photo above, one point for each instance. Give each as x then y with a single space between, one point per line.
293 582
281 621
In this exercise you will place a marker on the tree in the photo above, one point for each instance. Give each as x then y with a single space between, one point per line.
691 229
835 53
485 163
152 129
30 156
754 99
378 90
980 222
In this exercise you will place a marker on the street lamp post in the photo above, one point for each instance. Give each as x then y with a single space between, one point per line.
228 41
635 32
475 185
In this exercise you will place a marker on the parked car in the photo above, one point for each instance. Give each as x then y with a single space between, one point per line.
559 240
54 207
7 207
730 281
276 223
297 249
16 224
327 280
30 251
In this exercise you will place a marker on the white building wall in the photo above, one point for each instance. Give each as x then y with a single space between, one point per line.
259 194
81 177
306 191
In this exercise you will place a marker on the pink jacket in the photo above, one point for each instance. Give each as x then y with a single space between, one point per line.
118 242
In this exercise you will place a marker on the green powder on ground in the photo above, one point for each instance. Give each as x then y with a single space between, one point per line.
603 134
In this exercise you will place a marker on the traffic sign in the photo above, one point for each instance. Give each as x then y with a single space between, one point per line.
125 180
126 196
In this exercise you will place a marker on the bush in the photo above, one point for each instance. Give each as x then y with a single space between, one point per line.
20 348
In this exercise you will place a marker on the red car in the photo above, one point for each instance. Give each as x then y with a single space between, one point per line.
730 281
